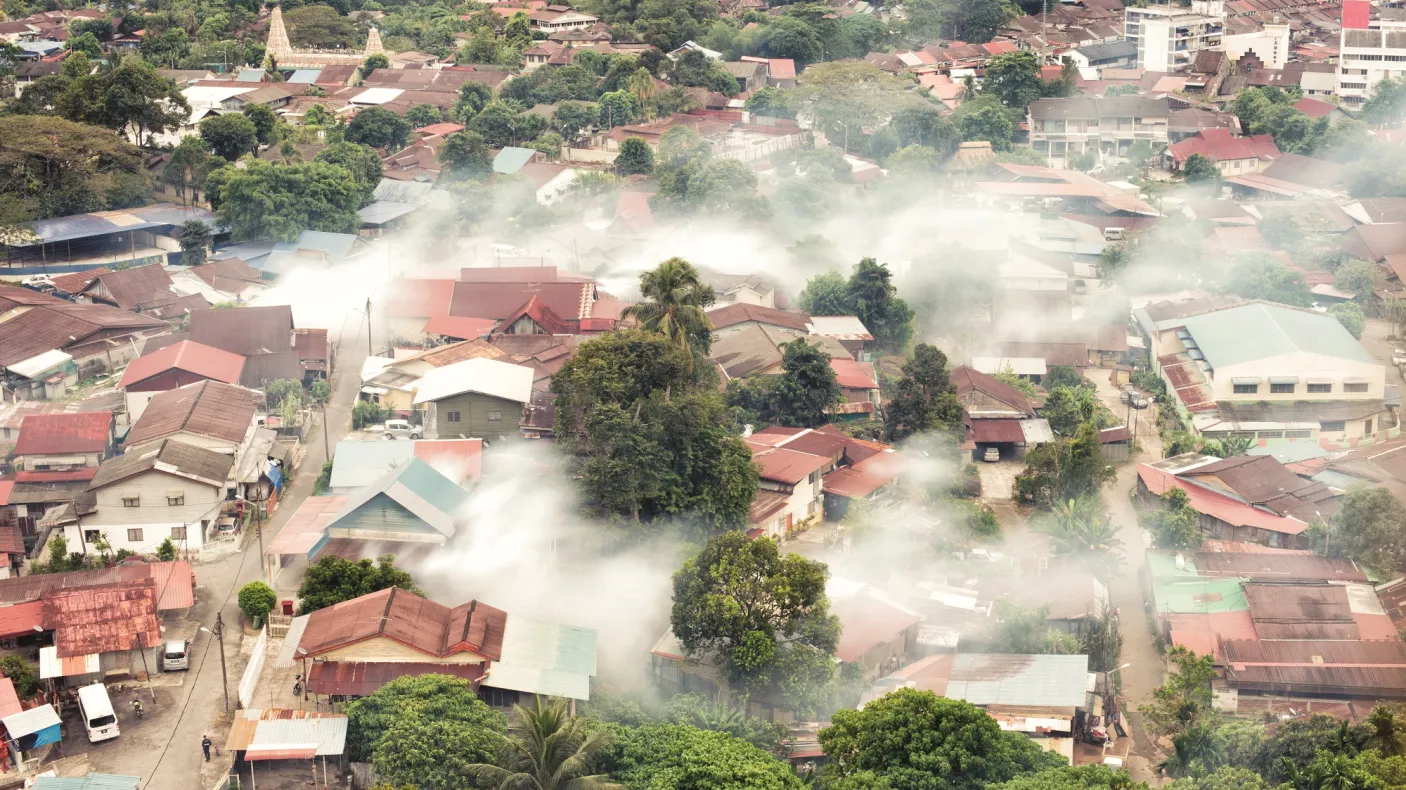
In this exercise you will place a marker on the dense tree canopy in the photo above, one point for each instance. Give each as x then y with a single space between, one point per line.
924 399
50 167
681 757
332 580
917 740
378 128
763 614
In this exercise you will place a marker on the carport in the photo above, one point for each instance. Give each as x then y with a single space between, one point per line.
269 734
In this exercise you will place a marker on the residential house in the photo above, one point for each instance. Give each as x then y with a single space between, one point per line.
1231 155
168 489
736 317
1045 697
142 289
264 336
1113 54
1062 129
877 633
1317 108
357 464
859 386
863 470
758 349
208 414
355 647
848 329
1267 369
998 415
174 366
56 454
1293 176
750 75
792 484
228 280
481 398
740 289
408 505
780 72
51 343
315 249
1252 499
314 354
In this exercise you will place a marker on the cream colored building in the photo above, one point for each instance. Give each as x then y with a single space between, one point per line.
168 490
1269 371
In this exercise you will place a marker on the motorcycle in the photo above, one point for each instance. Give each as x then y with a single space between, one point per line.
297 685
137 706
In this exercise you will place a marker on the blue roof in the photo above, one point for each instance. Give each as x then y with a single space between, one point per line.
85 226
254 253
510 160
250 75
304 76
40 47
89 782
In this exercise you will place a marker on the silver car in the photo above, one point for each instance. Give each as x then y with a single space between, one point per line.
395 429
176 656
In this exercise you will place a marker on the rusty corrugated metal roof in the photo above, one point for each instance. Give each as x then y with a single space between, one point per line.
244 728
103 619
360 678
429 627
1377 653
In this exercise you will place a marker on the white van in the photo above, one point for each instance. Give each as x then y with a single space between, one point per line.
98 717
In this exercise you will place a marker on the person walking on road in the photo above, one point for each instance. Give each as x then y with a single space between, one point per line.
205 746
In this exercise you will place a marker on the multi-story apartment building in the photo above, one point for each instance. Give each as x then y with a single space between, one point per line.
1169 36
1372 50
1062 129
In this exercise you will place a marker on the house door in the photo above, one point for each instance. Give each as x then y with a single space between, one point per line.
788 523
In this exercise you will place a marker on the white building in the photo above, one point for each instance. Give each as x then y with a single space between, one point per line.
1372 50
1168 36
1270 45
168 490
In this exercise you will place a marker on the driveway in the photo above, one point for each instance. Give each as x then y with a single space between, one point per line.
998 479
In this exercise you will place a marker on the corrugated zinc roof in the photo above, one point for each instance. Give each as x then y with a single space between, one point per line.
1036 680
542 657
1261 330
89 782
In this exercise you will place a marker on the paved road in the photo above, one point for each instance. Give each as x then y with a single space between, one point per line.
174 762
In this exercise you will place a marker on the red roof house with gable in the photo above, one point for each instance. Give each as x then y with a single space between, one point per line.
63 447
179 364
1232 155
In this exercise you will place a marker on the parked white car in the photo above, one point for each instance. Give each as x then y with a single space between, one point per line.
397 429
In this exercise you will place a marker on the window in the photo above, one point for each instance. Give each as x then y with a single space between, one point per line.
1320 388
1281 389
132 501
495 416
178 533
452 416
1246 389
175 500
1299 434
134 535
92 535
1332 426
1355 386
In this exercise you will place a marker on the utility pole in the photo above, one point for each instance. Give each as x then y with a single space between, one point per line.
326 452
224 673
369 352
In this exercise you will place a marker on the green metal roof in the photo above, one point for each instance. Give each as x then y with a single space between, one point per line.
1164 566
1261 330
433 487
407 496
1199 596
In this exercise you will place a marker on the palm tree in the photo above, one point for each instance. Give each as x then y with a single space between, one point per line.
1333 773
1386 734
1080 529
644 88
553 752
674 298
1198 750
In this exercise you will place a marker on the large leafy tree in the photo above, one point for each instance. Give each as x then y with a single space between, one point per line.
807 387
1081 530
1083 777
361 161
1199 169
190 164
876 303
652 440
1259 276
924 399
636 158
680 757
50 167
265 123
378 128
465 154
332 580
195 239
280 201
919 741
554 751
424 731
1371 529
229 136
674 297
826 294
764 615
1014 78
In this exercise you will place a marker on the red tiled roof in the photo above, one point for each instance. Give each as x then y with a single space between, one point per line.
543 315
6 486
1231 511
462 328
21 618
443 129
59 434
568 300
1314 108
1218 145
456 459
202 360
865 477
786 466
852 374
867 622
73 475
426 626
997 431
